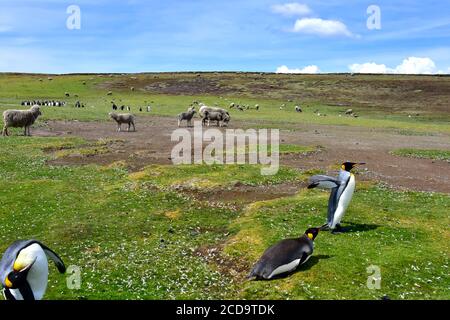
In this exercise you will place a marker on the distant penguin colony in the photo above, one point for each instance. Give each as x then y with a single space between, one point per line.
24 270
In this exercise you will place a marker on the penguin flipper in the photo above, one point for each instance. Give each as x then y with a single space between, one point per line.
54 257
323 182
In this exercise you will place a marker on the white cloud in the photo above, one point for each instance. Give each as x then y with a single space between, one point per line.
321 27
414 65
307 69
368 67
411 65
291 9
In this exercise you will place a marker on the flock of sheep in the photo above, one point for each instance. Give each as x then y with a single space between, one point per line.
208 114
26 118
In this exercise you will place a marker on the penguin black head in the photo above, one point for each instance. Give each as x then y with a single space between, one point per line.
312 233
348 166
17 279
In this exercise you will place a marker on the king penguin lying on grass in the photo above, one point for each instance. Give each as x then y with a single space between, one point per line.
342 189
24 270
285 256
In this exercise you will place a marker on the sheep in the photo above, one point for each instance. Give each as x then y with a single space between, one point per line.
186 116
215 116
149 108
204 108
20 118
120 118
298 109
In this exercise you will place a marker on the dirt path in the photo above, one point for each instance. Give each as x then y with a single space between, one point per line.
151 145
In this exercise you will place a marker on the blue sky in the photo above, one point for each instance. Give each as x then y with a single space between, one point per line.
206 35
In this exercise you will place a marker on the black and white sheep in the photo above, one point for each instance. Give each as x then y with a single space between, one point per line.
20 118
188 115
121 118
209 116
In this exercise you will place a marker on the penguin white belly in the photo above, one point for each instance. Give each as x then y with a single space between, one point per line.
285 268
344 201
37 276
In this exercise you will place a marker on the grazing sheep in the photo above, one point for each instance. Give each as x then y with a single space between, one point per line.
20 118
120 118
109 93
298 109
204 108
186 116
149 108
349 111
215 116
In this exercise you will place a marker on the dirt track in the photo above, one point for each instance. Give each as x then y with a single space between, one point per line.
151 144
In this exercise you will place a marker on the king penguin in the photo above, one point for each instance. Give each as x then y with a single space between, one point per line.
342 189
24 270
284 256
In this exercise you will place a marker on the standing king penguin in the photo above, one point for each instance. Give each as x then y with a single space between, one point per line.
342 189
24 270
284 256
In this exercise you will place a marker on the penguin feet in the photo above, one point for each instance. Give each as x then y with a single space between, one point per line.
338 229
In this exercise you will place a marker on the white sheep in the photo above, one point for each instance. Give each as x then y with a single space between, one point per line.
120 118
20 118
204 108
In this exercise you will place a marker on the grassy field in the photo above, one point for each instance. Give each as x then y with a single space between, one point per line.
135 237
423 154
151 234
170 94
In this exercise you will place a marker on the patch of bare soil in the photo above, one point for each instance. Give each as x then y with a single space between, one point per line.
151 144
226 265
240 194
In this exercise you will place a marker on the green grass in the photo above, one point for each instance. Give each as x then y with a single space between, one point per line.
134 236
404 233
423 154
